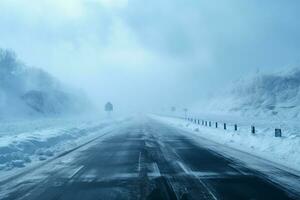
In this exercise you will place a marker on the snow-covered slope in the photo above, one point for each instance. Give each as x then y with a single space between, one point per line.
274 95
27 91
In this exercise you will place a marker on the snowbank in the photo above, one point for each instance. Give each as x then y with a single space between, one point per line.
27 142
284 151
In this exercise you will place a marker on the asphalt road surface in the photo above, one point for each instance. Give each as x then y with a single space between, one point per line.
145 160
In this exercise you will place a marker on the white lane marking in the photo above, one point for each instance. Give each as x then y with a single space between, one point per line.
122 176
237 168
155 172
125 176
156 169
139 164
91 174
205 175
190 172
183 167
75 172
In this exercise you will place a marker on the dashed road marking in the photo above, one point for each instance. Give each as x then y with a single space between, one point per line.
156 172
75 172
190 172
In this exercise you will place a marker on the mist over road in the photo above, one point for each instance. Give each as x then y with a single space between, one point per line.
144 159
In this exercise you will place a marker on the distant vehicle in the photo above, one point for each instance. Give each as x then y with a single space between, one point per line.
109 107
173 109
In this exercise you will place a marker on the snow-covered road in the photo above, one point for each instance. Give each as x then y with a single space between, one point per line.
147 159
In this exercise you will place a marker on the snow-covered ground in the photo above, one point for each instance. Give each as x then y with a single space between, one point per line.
28 142
265 101
275 96
284 151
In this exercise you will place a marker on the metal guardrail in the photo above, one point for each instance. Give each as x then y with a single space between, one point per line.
278 131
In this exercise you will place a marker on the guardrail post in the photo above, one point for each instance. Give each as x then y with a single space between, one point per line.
235 127
253 129
278 132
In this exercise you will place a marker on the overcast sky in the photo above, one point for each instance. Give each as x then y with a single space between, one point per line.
152 53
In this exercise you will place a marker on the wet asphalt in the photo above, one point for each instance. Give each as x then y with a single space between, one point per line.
150 161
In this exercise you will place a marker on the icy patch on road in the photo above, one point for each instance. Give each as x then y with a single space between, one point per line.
42 139
284 151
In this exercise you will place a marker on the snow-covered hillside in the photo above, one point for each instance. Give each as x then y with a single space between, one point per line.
274 95
27 91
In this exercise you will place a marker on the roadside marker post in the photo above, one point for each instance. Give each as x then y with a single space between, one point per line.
253 129
278 132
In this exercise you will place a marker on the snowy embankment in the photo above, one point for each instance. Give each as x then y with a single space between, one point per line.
28 142
284 151
275 96
35 114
